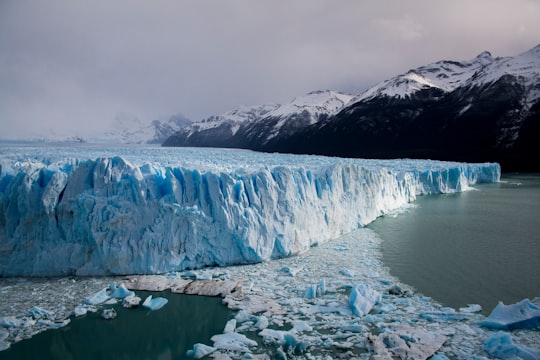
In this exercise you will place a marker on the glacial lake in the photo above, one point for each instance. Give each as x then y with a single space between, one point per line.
477 247
136 333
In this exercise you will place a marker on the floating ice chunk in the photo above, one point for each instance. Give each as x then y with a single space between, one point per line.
275 334
362 299
109 314
314 291
83 309
346 272
154 303
53 324
500 345
98 298
11 322
243 316
230 326
233 342
292 345
200 351
300 325
131 301
321 288
471 308
524 314
262 323
384 308
121 292
39 313
290 270
446 314
405 342
311 292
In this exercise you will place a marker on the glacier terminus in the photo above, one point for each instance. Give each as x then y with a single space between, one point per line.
87 210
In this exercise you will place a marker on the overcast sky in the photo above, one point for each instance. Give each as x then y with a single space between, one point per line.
73 67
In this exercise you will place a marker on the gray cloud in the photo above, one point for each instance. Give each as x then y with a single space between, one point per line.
72 67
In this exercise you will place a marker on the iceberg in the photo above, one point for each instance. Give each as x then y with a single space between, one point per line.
140 210
154 303
109 314
523 314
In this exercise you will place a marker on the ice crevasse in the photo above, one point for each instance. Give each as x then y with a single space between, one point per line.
140 214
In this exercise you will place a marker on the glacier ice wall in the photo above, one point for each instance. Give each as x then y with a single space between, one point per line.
141 211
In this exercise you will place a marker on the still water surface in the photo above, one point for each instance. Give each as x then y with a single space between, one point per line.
135 334
476 247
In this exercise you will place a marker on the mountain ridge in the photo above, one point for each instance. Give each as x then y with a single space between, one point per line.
483 109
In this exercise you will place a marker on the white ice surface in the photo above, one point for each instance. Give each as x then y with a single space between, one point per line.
139 210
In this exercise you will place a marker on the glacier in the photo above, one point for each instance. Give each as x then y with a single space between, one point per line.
89 210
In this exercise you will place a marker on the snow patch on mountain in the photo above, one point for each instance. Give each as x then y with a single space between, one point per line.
233 118
311 106
449 75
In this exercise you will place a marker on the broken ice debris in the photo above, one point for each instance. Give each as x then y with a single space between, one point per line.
314 291
405 342
524 314
81 310
39 313
109 314
98 298
363 298
200 350
500 345
233 342
154 303
120 292
131 301
110 293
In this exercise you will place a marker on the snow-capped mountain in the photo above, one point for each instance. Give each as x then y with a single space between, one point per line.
219 130
483 109
131 130
447 76
248 126
287 119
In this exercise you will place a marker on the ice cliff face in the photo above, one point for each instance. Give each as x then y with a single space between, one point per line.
89 212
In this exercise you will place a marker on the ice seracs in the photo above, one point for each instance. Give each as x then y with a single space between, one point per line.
67 212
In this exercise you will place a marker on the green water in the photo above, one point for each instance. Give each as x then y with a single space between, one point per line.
476 247
135 334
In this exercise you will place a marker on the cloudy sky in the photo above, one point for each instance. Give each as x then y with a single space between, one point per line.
73 67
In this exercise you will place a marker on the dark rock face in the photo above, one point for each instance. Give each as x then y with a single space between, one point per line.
474 124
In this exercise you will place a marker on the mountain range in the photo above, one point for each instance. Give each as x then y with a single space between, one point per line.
127 130
483 109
